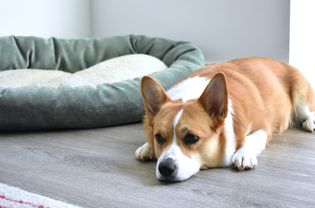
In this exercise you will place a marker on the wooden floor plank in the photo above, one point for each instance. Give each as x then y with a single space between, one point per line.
97 168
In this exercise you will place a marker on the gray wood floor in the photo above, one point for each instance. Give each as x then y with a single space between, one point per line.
97 168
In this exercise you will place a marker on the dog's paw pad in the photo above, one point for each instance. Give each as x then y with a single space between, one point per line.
145 152
309 124
244 160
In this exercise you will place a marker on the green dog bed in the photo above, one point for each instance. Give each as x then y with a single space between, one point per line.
68 107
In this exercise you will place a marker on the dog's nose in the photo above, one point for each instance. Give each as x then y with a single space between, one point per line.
167 167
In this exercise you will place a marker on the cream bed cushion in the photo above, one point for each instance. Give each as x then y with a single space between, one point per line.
110 71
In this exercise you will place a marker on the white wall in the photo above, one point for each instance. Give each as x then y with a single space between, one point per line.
302 37
223 29
59 18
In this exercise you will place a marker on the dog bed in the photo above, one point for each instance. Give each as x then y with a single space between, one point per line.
82 85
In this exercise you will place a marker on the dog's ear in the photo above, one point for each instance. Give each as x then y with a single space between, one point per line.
214 98
153 95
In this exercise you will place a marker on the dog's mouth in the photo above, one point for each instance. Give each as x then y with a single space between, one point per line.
170 180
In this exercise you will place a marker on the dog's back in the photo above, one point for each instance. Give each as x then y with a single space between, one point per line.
268 92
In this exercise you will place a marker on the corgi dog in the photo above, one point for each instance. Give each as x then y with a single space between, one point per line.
223 115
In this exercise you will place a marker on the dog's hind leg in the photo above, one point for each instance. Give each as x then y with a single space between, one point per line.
303 99
306 117
309 124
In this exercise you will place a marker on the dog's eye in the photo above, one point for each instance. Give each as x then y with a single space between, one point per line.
159 138
190 139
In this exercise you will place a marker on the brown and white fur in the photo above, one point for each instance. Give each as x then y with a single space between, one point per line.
223 115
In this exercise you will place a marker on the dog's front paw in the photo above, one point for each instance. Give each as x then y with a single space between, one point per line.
145 152
244 160
309 124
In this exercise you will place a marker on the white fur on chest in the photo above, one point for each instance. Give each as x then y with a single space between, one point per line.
188 89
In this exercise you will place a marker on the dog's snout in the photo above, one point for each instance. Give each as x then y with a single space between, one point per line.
167 167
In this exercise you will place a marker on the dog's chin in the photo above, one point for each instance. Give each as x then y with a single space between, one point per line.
172 179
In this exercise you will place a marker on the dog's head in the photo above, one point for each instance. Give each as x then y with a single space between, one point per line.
186 136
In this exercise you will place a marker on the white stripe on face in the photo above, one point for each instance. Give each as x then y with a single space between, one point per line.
175 122
186 166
